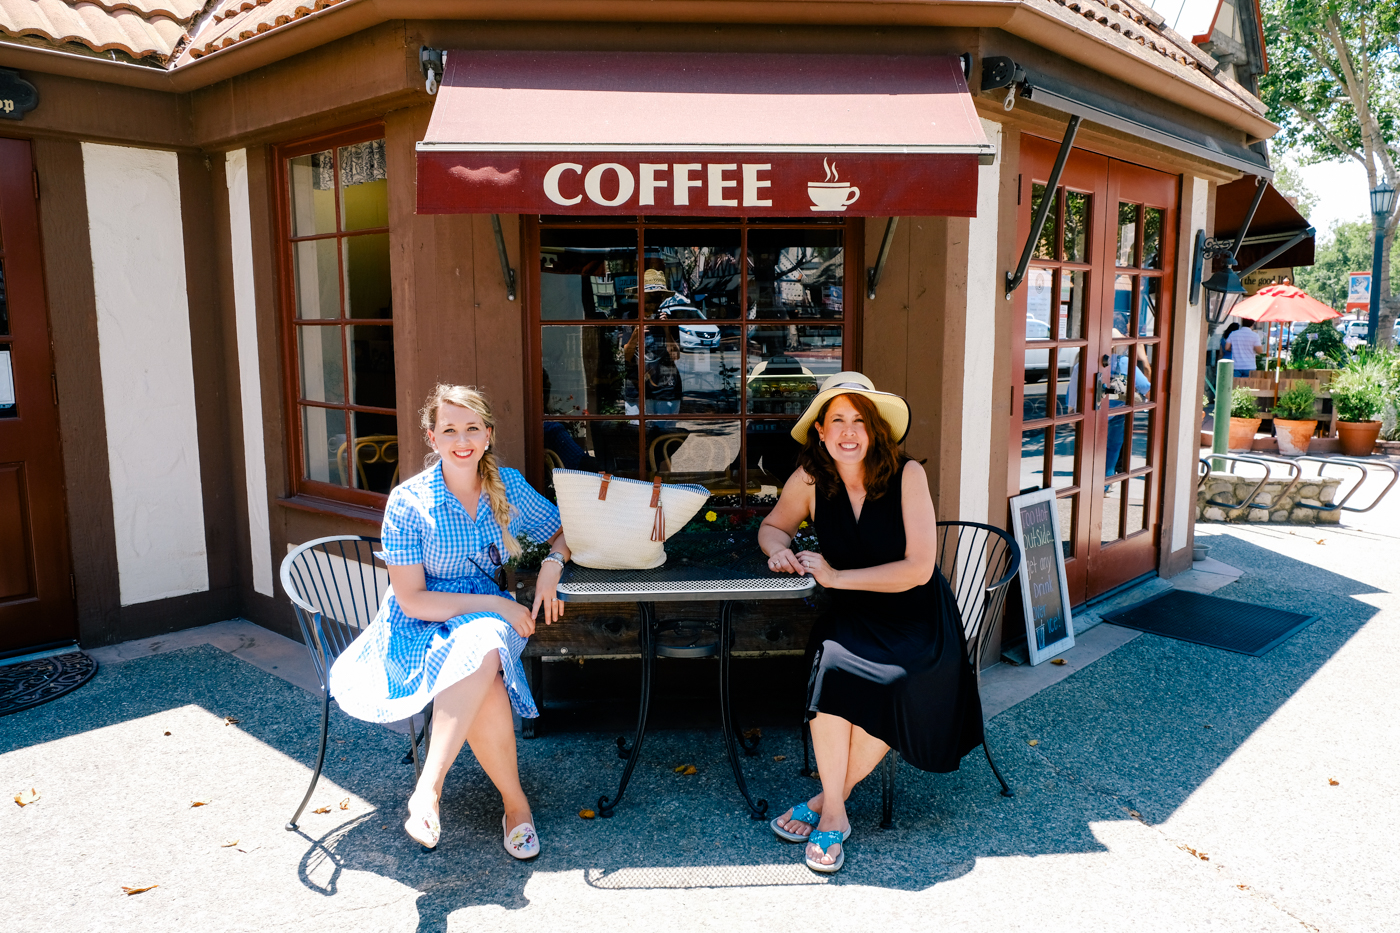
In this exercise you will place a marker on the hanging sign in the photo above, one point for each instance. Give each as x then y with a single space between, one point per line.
1035 523
1359 291
17 96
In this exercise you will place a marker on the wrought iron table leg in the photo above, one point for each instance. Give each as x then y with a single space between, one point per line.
647 636
757 810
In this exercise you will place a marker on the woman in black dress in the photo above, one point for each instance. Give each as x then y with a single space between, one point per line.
890 663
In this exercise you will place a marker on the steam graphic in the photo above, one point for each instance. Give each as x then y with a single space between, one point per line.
831 173
832 194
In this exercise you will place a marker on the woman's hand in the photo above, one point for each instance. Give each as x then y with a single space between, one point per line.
813 563
547 592
785 561
520 618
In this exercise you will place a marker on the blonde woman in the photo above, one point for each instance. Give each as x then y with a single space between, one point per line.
448 632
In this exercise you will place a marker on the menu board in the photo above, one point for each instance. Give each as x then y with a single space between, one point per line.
1035 520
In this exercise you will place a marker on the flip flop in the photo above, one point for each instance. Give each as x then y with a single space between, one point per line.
423 828
803 814
824 840
522 842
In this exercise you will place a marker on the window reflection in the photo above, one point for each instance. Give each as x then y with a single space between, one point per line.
701 452
1112 512
323 433
1127 234
316 273
772 456
322 364
779 384
1064 460
584 370
1067 381
1040 293
367 284
1122 304
796 274
588 274
1072 304
606 446
1149 300
1117 426
364 186
1045 245
1142 427
1152 237
371 365
1067 507
695 363
1033 459
312 182
1135 507
700 271
376 452
1076 236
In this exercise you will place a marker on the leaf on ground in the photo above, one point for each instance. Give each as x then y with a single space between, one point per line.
1200 855
689 770
1333 781
587 814
321 810
1035 741
228 843
780 757
1060 661
231 720
131 891
25 797
167 732
1321 540
1135 815
754 733
1242 887
345 804
1207 726
200 803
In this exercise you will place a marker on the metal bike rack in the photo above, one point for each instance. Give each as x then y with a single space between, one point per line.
1356 464
1257 460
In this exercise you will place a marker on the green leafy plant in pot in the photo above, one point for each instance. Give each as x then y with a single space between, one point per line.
1244 420
1359 395
1294 422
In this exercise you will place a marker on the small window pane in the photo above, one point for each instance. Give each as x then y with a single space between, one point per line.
787 366
1117 428
796 274
1067 381
697 363
1152 238
1112 513
701 271
312 180
1068 508
588 274
322 364
1146 367
585 372
1072 304
1045 245
1122 304
368 293
1149 300
1033 460
372 365
323 433
772 457
1040 294
364 186
1142 437
701 452
1127 234
4 304
317 279
376 452
1065 461
1076 236
1033 392
1136 505
607 446
7 384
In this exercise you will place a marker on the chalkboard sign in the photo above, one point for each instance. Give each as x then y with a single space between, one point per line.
1035 522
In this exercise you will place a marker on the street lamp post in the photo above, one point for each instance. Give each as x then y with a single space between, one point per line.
1382 203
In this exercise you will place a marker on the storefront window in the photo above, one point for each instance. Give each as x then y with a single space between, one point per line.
340 318
686 351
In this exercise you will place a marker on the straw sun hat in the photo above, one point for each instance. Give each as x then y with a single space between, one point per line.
653 283
891 407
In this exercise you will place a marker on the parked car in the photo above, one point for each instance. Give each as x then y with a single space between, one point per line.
694 335
1037 356
1354 333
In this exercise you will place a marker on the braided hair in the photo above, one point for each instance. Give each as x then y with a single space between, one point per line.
488 468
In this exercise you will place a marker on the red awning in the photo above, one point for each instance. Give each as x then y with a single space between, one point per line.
711 134
1275 223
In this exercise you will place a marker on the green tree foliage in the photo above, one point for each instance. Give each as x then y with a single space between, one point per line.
1318 341
1334 87
1288 181
1342 250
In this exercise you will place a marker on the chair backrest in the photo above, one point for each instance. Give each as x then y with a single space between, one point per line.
335 586
979 562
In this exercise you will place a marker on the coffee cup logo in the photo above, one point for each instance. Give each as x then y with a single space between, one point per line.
831 194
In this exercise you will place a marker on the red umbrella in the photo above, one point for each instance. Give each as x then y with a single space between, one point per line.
1283 303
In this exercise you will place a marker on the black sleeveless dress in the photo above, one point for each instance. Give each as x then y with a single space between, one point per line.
894 664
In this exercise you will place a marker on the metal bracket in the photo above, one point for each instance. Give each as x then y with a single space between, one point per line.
1052 194
872 275
430 62
1355 464
507 273
1259 460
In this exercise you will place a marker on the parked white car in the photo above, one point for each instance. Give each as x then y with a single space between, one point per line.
1354 333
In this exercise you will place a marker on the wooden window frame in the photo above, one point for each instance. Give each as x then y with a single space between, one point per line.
854 296
304 493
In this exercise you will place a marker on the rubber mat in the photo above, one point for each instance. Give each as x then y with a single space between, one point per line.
1227 624
28 683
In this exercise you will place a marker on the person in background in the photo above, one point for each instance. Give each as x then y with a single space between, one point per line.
1241 346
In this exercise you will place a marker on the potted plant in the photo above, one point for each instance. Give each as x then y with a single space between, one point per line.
1244 420
1294 422
1359 396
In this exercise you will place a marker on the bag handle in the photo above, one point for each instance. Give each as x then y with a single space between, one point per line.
658 527
603 487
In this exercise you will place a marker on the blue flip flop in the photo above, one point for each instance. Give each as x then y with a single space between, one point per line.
825 839
800 812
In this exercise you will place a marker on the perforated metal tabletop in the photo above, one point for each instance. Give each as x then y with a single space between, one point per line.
679 582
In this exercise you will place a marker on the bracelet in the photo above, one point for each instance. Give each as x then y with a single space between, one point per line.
554 556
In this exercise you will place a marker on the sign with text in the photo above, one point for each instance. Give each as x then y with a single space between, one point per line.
1359 291
17 96
1035 523
727 184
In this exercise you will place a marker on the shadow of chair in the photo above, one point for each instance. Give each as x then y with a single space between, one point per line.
372 448
979 562
336 588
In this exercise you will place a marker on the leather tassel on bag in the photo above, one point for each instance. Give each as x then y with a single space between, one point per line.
658 527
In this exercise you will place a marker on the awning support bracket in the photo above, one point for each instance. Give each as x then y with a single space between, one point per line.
872 275
507 273
1298 237
1052 194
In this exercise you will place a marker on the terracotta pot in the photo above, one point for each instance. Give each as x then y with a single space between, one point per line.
1358 437
1242 431
1294 436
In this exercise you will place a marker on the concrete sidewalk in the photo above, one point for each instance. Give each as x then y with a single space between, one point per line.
1171 787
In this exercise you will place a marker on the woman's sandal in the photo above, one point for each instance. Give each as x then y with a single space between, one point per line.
824 840
422 828
522 842
803 814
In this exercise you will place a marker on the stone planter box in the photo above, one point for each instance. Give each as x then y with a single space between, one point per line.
1290 509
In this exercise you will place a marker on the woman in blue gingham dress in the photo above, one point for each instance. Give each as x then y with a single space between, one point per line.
447 632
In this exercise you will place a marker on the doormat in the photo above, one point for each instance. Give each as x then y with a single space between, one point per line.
1214 622
29 683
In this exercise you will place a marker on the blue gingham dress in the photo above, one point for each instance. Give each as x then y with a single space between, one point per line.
398 664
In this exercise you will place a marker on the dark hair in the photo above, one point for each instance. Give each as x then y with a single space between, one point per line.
1234 326
882 459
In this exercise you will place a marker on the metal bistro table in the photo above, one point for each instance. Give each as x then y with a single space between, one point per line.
681 580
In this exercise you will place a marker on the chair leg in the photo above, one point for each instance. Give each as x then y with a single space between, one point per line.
1005 791
320 760
806 748
887 773
413 740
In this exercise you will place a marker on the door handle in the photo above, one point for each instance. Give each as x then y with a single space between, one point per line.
1100 390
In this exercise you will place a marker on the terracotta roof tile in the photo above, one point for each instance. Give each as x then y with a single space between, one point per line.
236 20
99 28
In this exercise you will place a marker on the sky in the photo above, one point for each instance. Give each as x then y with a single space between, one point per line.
1342 193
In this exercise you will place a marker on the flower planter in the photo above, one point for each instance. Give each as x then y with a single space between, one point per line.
1242 431
1294 436
1358 437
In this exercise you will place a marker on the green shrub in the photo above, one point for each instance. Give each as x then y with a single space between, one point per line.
1296 404
1317 342
1243 405
1359 393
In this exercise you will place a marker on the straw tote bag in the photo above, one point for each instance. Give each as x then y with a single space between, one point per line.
622 524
